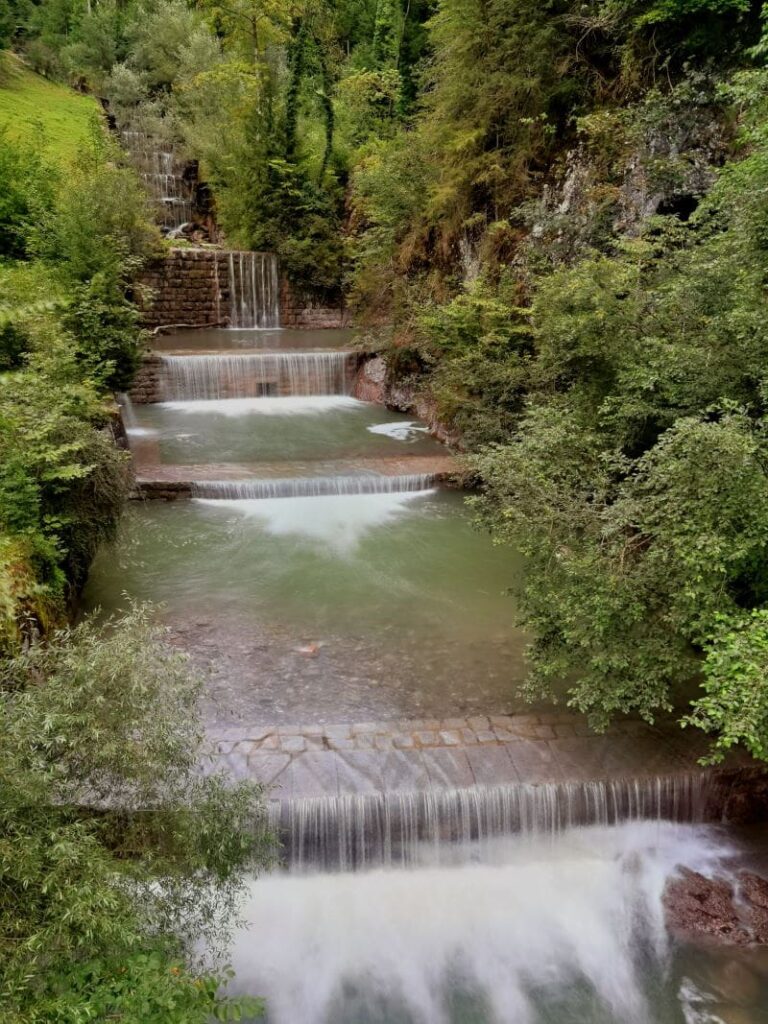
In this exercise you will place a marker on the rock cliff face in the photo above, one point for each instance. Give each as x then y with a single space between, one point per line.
371 384
660 157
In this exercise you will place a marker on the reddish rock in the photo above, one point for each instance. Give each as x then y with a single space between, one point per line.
700 909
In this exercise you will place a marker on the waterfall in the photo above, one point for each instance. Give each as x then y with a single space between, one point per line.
524 932
253 290
311 487
161 171
354 831
254 375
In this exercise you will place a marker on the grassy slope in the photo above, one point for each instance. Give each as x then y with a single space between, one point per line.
29 103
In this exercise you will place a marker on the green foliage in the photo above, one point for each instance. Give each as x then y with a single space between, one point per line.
26 195
117 856
40 113
734 704
635 483
67 332
99 224
105 326
481 346
60 473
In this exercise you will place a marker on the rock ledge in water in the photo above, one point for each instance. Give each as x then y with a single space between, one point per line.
700 909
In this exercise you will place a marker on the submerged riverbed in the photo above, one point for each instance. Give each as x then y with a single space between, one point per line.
331 608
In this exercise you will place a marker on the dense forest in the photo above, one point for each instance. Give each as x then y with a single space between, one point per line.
551 218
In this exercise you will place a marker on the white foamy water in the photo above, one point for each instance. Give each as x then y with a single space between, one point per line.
563 930
408 431
336 521
289 406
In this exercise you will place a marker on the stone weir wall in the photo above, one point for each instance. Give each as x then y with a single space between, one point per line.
190 288
147 386
344 795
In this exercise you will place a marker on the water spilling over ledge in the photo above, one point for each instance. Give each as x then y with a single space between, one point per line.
162 172
361 831
311 487
255 374
254 290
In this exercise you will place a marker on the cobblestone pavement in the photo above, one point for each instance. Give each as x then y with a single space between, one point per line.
377 757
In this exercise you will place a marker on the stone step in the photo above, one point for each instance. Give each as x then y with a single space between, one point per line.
377 794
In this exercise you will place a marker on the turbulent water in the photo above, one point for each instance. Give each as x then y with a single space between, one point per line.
396 828
527 930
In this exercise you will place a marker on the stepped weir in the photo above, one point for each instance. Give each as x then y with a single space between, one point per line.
373 794
162 173
434 869
311 487
253 375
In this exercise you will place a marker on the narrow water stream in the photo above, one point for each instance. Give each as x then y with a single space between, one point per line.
302 530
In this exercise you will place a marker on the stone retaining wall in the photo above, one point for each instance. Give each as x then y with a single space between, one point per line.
190 288
146 385
305 312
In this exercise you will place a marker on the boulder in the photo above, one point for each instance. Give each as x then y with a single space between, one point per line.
717 910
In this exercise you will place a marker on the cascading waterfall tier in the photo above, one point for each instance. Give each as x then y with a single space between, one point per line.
254 290
312 487
255 375
356 831
161 172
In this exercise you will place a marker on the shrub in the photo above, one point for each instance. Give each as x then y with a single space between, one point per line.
118 857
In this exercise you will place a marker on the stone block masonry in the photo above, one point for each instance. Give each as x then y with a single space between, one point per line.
305 312
190 288
147 384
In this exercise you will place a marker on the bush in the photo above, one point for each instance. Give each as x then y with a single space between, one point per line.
105 326
118 857
26 196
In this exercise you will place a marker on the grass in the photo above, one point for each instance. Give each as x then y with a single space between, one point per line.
34 109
